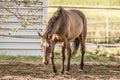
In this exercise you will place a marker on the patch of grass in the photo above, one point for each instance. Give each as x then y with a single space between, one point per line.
91 57
19 58
88 57
112 59
104 55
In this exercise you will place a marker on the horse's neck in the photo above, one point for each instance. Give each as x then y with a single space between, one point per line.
56 27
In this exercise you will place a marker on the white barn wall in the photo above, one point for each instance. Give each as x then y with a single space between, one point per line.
23 46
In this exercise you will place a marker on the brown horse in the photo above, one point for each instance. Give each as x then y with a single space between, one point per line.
63 26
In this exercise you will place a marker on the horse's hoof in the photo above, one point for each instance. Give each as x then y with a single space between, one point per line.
68 68
55 74
81 70
55 71
67 72
62 73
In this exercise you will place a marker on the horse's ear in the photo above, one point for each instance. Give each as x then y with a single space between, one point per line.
40 35
60 9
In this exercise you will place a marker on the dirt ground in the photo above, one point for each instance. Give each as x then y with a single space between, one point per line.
34 71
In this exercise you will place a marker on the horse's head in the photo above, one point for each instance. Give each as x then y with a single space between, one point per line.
46 46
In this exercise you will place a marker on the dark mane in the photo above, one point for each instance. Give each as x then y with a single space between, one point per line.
53 19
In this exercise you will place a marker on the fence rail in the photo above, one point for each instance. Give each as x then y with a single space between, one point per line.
88 7
36 37
80 7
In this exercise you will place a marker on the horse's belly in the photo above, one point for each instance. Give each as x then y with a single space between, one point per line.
74 33
75 30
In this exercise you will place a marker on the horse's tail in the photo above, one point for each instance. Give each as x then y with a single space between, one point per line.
76 44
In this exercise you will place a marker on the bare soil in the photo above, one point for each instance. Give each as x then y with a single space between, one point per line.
33 71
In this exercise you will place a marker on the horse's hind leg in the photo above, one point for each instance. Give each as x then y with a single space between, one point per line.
82 39
69 55
63 57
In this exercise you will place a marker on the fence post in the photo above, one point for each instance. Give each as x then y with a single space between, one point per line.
45 3
107 27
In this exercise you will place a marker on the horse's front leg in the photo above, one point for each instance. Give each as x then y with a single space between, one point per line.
69 56
52 61
63 57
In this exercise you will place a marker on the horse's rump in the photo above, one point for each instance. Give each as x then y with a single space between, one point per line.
84 31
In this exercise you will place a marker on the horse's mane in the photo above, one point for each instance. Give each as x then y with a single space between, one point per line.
50 25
